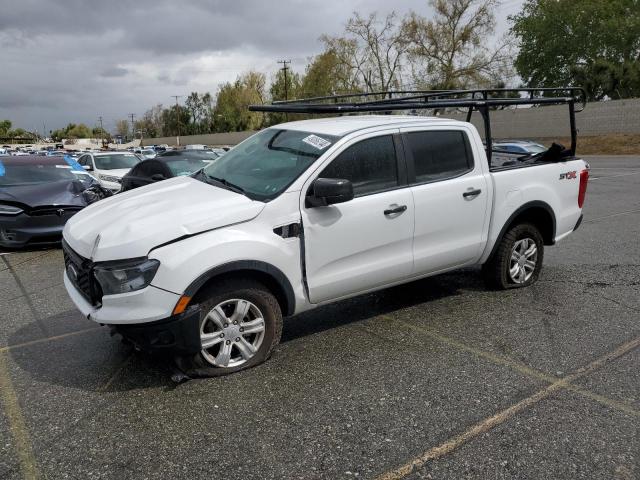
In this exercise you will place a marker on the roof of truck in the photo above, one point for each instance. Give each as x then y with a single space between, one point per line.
340 126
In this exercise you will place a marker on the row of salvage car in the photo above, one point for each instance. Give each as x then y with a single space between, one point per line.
38 194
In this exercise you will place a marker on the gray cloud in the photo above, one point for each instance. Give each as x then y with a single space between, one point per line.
73 60
114 71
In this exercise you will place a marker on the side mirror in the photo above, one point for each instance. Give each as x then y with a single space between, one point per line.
156 177
87 167
328 191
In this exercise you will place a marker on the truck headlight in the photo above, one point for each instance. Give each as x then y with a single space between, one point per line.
123 277
9 210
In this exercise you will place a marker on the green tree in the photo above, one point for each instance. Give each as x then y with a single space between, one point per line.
231 113
78 131
590 43
122 129
452 50
327 75
200 109
5 126
280 90
175 122
152 123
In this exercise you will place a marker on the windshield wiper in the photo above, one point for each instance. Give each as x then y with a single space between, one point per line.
230 186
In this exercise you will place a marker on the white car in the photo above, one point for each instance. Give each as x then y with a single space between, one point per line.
146 152
304 214
196 147
522 147
109 167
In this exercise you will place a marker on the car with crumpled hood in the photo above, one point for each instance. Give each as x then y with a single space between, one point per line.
38 195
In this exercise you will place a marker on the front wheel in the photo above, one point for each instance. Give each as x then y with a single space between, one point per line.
518 259
240 325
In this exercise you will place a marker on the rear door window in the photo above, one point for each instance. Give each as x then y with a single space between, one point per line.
439 154
370 165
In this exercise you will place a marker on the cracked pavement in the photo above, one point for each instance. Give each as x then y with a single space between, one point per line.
438 379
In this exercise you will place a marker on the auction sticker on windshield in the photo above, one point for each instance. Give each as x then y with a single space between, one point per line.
317 142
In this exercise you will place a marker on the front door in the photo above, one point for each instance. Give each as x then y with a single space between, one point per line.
365 243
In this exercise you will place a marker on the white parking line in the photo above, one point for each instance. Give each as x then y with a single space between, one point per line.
614 176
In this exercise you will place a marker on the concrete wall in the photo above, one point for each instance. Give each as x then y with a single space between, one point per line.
218 139
599 118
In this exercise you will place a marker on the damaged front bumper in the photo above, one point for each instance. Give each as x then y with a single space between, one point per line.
178 334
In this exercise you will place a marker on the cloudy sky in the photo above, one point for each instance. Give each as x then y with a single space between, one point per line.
73 60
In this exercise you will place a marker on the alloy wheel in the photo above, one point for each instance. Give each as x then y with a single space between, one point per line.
232 333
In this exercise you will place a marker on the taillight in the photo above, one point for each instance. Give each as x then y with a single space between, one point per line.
582 192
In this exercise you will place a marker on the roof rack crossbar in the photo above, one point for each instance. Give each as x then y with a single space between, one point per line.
481 100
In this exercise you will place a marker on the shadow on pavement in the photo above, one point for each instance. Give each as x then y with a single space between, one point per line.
87 360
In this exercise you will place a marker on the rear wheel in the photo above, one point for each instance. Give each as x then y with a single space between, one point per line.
240 325
518 259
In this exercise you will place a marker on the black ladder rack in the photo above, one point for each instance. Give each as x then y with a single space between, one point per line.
481 100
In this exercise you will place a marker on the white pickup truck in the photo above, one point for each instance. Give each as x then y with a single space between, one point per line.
307 213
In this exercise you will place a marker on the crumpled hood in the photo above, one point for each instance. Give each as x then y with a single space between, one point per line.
44 194
130 224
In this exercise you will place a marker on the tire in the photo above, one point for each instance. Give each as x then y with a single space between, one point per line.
234 346
505 269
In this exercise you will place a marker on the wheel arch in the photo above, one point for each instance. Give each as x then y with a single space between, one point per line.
538 213
272 278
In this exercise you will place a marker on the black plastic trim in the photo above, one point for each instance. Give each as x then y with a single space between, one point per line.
254 265
178 334
519 211
578 223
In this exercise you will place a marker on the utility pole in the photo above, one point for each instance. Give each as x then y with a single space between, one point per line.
285 68
133 127
101 132
177 118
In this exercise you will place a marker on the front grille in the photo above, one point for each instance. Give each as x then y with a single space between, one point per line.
80 273
49 211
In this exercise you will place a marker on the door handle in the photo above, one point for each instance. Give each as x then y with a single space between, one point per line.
391 211
472 193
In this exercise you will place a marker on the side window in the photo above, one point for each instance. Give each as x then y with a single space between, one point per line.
370 165
82 160
439 154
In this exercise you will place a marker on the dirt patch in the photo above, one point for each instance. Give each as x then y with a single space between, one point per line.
614 144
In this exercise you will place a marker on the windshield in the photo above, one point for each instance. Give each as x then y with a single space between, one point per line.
269 161
535 148
187 162
34 174
116 161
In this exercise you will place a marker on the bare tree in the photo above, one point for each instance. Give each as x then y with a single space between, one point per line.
372 49
454 49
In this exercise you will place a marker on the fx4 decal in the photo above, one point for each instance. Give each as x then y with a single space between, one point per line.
568 175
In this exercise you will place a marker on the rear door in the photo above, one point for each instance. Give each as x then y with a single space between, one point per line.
451 196
365 243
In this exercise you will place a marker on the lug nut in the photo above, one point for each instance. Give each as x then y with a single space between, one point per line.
228 342
238 339
222 335
226 325
242 329
235 322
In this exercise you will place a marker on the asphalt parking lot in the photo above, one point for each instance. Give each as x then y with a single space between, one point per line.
438 379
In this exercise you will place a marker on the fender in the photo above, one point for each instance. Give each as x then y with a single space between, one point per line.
252 265
519 211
